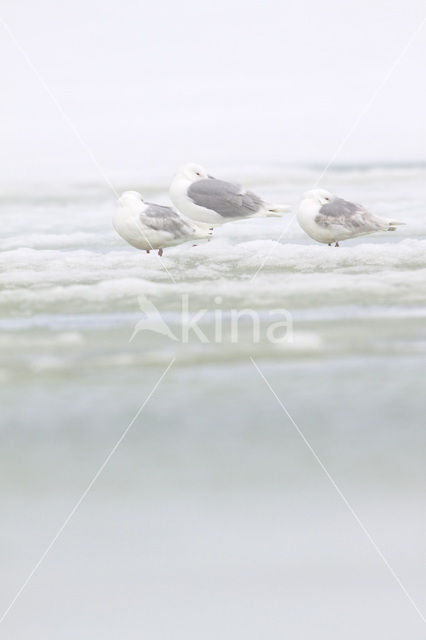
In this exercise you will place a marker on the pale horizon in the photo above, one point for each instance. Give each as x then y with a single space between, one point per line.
150 87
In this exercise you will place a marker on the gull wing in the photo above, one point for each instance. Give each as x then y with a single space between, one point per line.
348 215
161 218
228 199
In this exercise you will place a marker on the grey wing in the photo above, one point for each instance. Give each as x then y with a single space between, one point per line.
225 198
352 216
160 218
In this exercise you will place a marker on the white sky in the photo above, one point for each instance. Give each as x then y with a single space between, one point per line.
150 85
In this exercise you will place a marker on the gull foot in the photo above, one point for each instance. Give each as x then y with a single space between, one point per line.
337 244
148 250
160 252
329 244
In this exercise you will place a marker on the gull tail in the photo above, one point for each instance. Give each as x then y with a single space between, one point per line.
203 230
393 224
275 210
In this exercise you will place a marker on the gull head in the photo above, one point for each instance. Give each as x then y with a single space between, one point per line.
193 172
129 199
319 196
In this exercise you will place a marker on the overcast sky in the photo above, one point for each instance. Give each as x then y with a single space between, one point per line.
150 85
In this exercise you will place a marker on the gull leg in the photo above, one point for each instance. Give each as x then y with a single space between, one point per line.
337 244
329 244
160 252
147 250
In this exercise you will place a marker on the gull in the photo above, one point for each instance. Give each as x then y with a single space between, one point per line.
204 198
329 219
146 225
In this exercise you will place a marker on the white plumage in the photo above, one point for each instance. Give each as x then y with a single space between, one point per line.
206 199
148 226
329 219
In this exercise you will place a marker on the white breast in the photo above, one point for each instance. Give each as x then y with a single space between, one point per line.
127 224
306 215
